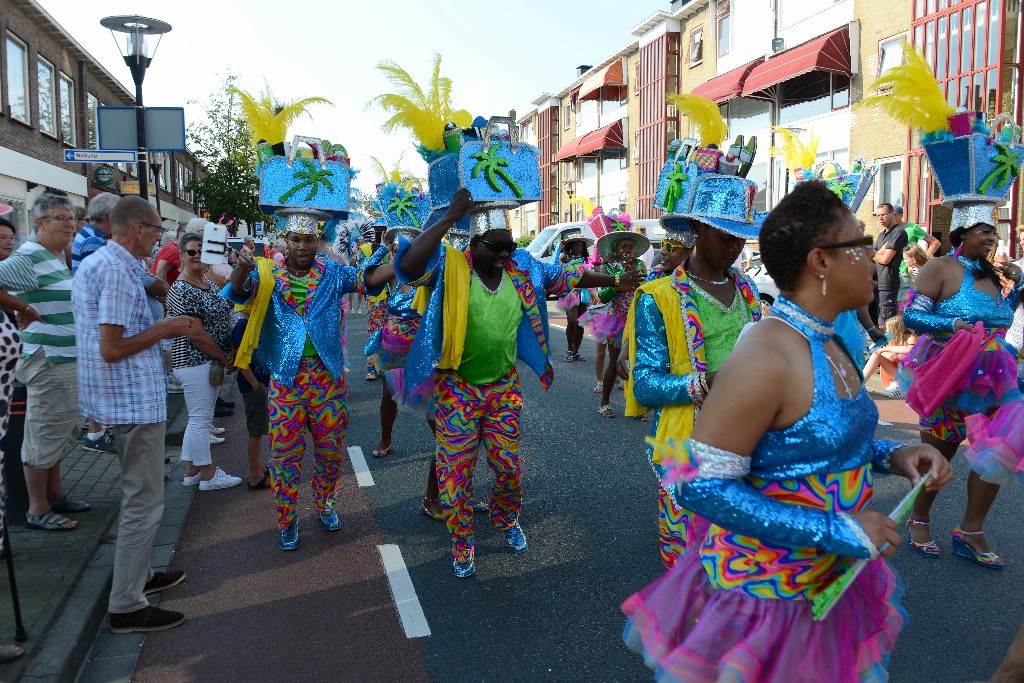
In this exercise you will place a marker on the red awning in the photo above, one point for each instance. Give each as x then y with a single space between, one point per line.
728 85
610 75
830 52
609 137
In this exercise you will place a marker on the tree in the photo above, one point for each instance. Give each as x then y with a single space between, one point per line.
222 143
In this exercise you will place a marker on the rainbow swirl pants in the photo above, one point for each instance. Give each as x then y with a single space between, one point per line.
317 402
673 526
466 415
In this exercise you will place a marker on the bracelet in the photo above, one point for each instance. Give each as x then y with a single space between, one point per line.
616 282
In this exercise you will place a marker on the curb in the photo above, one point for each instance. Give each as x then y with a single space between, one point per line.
63 645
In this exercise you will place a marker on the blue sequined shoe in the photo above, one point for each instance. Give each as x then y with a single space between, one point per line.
515 539
964 549
464 569
289 539
328 520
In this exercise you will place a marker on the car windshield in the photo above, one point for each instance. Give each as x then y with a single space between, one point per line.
537 245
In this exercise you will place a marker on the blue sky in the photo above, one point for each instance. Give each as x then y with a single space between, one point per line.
499 58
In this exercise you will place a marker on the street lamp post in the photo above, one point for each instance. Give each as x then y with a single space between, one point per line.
137 56
156 182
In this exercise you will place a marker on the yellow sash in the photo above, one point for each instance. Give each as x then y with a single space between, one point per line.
256 307
676 420
455 310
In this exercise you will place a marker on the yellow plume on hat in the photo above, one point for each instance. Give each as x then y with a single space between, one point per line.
910 94
705 115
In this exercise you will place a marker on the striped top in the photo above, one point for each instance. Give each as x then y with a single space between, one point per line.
43 281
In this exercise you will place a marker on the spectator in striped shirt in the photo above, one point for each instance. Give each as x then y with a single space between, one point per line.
96 232
39 279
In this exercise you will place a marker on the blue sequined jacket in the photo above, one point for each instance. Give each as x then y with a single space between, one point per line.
285 329
532 335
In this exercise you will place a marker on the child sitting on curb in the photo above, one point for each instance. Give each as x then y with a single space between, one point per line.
899 342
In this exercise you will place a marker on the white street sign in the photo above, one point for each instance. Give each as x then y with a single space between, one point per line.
97 156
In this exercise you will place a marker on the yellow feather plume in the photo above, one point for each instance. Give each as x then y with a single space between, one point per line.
794 151
268 117
588 206
705 115
424 111
396 174
910 94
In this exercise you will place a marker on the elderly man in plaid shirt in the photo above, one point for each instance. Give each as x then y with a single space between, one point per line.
122 383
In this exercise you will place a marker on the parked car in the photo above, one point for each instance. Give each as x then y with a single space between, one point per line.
766 286
543 245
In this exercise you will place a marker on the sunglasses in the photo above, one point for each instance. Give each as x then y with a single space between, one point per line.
499 247
669 246
867 242
193 252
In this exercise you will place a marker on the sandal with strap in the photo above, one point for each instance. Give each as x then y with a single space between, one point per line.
964 549
51 521
425 511
928 548
382 452
577 356
69 504
599 387
606 411
569 357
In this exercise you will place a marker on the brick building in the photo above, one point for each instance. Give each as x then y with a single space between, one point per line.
49 90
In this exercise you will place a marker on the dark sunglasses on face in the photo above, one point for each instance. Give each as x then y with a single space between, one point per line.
866 242
499 247
192 252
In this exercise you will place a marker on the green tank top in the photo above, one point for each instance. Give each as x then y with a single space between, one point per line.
722 324
491 325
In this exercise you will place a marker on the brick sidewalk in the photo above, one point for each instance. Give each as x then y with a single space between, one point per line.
64 578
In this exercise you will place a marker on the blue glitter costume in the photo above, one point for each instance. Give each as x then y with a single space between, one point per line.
781 532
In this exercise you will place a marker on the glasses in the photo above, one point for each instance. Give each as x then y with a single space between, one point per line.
150 225
499 247
669 246
60 219
193 252
866 242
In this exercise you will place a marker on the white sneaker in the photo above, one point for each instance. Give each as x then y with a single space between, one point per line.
191 481
174 386
220 480
216 440
217 431
893 390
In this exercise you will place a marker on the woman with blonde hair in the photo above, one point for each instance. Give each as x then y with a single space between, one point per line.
900 342
915 257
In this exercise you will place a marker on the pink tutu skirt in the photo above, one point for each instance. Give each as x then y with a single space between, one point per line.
990 381
396 340
997 444
570 300
689 631
607 328
420 399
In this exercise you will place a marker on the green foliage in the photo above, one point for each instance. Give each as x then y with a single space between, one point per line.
524 241
222 144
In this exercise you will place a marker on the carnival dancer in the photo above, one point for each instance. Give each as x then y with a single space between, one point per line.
620 250
780 463
573 249
376 310
682 326
485 311
974 162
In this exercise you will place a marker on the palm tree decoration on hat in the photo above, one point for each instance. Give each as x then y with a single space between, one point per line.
269 117
424 110
1007 168
491 166
313 177
401 203
676 177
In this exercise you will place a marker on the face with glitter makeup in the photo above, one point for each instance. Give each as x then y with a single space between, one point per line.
979 241
850 269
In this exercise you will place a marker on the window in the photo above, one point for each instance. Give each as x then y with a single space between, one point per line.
889 182
612 161
47 108
635 152
746 116
724 26
695 55
92 103
813 94
17 79
67 110
566 112
890 53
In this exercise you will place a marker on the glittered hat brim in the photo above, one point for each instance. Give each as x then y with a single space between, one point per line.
675 223
968 214
741 229
607 242
578 238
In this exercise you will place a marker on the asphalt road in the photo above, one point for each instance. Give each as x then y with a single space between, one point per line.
551 613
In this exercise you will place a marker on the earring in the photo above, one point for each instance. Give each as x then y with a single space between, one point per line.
824 284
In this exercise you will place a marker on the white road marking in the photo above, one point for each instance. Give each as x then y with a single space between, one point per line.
409 610
363 475
884 423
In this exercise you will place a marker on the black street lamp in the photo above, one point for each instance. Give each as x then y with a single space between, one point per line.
137 56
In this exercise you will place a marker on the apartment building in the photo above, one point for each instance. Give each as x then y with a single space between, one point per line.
50 88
